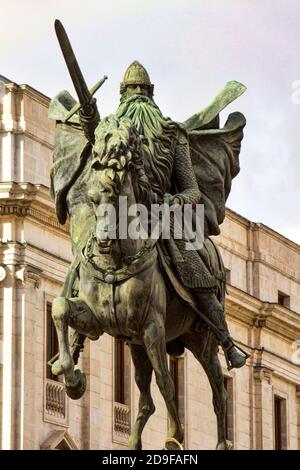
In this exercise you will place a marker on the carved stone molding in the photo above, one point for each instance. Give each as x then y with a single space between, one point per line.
18 210
48 220
2 273
263 374
59 440
26 273
259 322
23 211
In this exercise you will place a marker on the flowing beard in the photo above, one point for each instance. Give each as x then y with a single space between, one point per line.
158 133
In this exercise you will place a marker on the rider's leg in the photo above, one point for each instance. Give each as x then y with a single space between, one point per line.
209 305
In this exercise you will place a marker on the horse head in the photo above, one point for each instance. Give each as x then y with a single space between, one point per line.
116 169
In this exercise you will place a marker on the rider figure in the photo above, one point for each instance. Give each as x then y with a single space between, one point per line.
168 166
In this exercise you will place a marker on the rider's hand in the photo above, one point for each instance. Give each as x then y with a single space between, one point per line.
172 199
89 118
87 112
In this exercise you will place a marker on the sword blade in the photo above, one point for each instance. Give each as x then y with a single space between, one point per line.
72 64
92 91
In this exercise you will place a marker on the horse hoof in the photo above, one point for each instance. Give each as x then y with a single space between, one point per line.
224 445
172 444
56 368
77 390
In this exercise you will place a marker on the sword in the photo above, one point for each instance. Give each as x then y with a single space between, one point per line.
80 86
92 91
89 109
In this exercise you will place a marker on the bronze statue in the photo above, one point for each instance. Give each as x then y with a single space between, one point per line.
156 294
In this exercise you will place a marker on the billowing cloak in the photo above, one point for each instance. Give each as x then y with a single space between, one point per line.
214 153
71 150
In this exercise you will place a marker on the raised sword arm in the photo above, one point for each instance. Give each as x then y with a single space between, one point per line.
87 107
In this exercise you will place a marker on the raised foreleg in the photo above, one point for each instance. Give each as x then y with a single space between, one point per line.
76 313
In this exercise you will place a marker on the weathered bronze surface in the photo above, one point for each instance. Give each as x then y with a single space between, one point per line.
157 295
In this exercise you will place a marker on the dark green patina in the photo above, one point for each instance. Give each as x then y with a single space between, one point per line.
157 295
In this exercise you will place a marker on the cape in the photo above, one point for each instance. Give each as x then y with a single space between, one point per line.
71 150
214 153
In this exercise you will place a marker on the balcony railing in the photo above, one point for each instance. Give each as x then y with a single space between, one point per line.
122 423
55 402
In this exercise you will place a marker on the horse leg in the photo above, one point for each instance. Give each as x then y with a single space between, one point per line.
143 374
77 314
210 362
154 339
60 315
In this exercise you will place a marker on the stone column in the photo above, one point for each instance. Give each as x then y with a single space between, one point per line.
298 412
15 347
263 408
27 281
8 303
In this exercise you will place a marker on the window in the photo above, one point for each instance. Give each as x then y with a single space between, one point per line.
280 423
283 299
122 391
177 373
55 399
229 418
51 341
122 372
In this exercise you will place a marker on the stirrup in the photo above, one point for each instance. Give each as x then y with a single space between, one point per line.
227 348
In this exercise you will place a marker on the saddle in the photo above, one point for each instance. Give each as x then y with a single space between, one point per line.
170 277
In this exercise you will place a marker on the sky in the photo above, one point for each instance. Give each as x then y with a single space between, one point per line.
190 48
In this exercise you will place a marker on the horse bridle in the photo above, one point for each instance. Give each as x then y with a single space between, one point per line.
138 263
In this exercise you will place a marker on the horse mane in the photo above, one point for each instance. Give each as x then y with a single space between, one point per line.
118 147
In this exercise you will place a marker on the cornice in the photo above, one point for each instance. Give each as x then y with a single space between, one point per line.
251 311
28 268
28 91
260 227
20 131
25 273
29 200
234 216
256 257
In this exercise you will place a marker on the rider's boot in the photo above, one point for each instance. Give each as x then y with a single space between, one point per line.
213 311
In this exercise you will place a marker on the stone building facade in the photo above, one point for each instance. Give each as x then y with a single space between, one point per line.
263 311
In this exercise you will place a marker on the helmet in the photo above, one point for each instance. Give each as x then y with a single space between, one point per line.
136 74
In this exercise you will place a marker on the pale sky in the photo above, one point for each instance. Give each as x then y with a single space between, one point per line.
190 48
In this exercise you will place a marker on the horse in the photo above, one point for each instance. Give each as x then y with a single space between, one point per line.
122 290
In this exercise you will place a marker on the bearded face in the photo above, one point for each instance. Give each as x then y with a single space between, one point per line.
157 134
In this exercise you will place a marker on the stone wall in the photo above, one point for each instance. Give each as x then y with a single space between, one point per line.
35 252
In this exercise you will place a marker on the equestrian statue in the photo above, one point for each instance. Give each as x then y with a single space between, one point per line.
154 293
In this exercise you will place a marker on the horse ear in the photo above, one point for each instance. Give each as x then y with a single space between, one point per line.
121 174
122 161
